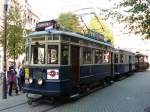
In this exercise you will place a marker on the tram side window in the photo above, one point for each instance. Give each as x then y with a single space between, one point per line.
98 56
121 58
137 59
141 59
116 58
52 54
87 56
38 55
64 54
107 57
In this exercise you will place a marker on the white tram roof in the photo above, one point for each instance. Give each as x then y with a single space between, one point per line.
38 33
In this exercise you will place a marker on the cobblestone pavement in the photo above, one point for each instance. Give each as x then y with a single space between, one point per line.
129 95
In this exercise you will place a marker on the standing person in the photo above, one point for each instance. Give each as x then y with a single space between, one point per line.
18 75
22 74
11 75
21 77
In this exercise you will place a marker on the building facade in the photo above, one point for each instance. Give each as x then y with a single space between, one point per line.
30 16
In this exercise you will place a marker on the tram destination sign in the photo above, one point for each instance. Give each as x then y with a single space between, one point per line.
45 24
96 35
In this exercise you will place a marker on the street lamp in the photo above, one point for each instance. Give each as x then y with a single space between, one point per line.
4 49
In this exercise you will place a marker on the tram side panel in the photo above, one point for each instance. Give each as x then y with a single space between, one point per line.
91 73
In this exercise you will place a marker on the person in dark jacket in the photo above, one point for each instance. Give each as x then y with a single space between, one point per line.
11 76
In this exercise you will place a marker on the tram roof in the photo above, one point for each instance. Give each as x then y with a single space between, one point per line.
38 33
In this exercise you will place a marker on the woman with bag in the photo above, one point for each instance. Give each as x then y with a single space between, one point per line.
11 75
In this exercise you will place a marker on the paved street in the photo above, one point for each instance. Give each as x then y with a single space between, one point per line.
129 95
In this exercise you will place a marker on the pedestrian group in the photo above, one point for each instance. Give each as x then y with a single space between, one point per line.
15 77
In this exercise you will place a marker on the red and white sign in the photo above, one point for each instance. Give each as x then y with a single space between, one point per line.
52 74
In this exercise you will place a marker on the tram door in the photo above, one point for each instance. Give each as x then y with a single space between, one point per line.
75 66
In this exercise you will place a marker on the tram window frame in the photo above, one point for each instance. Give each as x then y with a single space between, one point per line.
50 37
106 60
56 36
64 56
65 38
74 40
33 59
121 58
116 57
53 37
141 58
87 59
38 38
99 56
55 47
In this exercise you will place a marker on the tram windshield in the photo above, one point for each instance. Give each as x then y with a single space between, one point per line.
52 54
37 54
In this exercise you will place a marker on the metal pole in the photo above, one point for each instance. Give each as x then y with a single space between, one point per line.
4 49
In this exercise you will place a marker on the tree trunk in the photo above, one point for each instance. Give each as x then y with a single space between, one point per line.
14 52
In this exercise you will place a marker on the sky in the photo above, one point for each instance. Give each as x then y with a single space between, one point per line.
50 9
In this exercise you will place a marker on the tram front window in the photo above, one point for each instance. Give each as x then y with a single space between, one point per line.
53 54
37 54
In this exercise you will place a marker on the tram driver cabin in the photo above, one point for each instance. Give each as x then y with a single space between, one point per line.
60 62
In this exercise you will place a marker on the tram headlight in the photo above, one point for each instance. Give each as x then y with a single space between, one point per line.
30 80
40 81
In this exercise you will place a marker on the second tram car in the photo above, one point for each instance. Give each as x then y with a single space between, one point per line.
124 62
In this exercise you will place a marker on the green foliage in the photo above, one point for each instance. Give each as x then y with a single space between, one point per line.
99 25
15 29
135 15
139 16
69 21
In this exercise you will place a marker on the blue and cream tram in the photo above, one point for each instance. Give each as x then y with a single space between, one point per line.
64 63
124 62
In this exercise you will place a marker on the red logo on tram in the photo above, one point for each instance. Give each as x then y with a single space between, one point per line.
52 73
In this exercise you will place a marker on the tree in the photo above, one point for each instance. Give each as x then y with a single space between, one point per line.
15 30
69 21
135 15
99 25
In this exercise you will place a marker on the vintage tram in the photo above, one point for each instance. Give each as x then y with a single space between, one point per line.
65 63
141 62
124 62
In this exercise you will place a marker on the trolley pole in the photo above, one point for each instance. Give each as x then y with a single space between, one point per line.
4 49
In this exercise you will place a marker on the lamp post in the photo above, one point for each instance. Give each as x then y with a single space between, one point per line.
4 49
